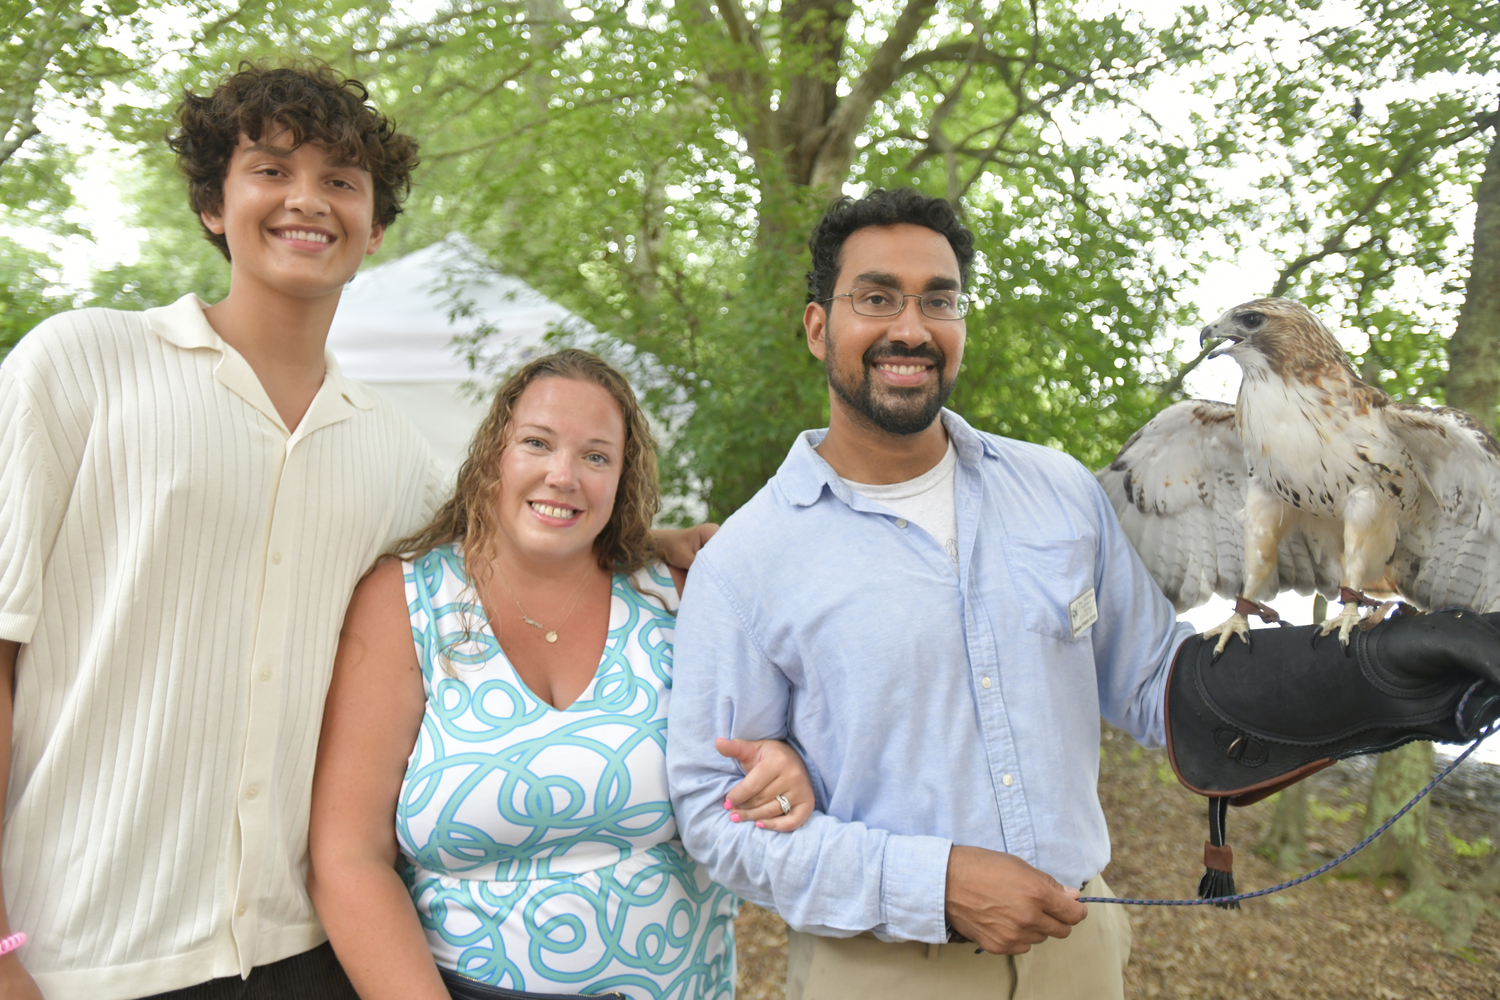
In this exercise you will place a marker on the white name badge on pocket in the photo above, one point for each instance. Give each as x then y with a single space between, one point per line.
1082 612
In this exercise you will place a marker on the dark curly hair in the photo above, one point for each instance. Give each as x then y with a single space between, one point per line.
314 104
880 208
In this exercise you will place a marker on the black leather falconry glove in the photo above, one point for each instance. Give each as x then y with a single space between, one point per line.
1269 713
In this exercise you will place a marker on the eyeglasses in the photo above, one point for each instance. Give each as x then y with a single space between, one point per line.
879 301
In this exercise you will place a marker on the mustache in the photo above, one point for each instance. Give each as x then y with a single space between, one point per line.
891 352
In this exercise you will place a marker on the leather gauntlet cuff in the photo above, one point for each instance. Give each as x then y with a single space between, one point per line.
1270 712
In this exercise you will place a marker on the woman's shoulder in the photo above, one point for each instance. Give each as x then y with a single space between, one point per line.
654 583
384 581
442 564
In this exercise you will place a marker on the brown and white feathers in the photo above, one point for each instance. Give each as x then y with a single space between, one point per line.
1312 479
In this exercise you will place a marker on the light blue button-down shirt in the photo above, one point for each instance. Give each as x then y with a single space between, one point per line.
932 709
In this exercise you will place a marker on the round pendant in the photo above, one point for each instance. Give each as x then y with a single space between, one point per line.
551 636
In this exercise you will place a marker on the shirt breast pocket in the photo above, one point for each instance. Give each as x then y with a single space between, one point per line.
1054 581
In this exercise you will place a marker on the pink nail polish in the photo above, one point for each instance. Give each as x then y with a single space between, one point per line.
727 803
734 817
760 825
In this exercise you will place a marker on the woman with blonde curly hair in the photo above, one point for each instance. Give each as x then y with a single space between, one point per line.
493 746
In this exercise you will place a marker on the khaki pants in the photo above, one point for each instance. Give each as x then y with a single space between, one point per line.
1088 964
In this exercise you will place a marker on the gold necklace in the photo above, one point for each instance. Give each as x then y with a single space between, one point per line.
549 634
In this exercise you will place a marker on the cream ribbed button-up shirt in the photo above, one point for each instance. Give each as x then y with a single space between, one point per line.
176 564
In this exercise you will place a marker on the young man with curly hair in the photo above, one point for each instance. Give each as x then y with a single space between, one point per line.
190 495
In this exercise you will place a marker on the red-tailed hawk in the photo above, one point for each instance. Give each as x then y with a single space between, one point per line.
1311 481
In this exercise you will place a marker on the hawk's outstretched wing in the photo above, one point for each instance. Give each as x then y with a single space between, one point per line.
1178 487
1451 553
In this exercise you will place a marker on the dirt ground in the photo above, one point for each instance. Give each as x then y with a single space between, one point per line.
1329 939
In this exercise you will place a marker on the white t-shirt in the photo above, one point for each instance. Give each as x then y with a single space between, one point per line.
176 564
926 501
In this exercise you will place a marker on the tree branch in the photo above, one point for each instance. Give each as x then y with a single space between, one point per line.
744 77
19 118
1334 243
741 31
1022 108
1172 386
953 52
520 130
836 151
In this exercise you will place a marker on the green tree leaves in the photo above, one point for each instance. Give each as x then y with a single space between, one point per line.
656 167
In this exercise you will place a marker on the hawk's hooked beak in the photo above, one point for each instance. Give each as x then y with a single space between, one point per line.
1228 340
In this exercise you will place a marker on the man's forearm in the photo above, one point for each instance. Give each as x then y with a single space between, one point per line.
830 877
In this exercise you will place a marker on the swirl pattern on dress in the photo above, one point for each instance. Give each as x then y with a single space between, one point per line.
539 845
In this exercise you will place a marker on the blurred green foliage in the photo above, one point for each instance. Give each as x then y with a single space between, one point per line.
1362 205
175 258
656 166
645 166
23 291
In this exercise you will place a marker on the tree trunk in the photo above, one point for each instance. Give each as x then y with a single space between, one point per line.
1403 849
778 390
1474 349
1399 775
1285 840
1474 386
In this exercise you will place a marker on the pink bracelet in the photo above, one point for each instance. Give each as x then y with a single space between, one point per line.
11 943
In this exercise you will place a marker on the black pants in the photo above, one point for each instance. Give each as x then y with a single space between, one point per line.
312 975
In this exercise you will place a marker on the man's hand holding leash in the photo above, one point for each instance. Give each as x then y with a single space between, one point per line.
1004 905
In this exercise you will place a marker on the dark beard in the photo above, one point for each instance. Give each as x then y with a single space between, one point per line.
901 411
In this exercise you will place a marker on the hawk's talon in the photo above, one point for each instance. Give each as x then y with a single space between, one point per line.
1378 615
1346 620
1238 625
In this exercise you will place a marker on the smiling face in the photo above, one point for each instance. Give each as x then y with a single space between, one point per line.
297 221
560 469
893 372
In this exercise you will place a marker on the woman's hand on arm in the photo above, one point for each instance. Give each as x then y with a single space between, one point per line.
771 768
679 547
370 724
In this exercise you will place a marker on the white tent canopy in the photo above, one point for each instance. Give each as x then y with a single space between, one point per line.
396 326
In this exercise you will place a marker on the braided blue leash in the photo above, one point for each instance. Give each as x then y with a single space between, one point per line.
1224 900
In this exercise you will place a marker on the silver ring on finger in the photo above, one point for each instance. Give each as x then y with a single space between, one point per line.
784 803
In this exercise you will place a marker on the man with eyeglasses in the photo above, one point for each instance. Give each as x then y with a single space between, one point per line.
936 617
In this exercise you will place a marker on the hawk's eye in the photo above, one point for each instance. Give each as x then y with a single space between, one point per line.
1251 320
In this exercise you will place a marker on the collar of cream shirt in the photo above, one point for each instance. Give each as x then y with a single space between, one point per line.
182 323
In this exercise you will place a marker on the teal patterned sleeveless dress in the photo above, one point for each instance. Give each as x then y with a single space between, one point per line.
539 845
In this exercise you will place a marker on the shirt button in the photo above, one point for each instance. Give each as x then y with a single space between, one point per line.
276 558
900 522
252 791
1007 780
239 911
265 675
984 682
